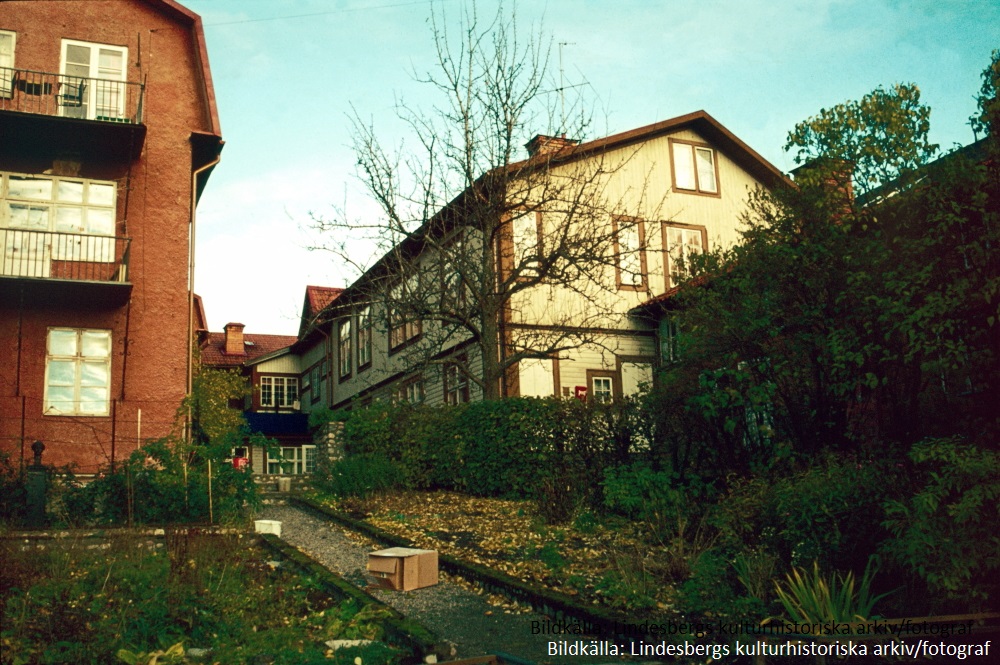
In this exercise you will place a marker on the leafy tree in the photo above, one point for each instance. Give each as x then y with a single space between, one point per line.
883 136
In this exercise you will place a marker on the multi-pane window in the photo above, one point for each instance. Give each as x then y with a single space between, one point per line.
403 325
681 243
344 347
411 391
78 372
293 460
364 337
602 388
315 380
279 391
92 84
630 254
456 382
6 63
694 167
668 340
527 243
44 218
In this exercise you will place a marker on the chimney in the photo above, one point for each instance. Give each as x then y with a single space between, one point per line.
547 145
234 340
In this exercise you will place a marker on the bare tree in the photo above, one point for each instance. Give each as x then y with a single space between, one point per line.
513 258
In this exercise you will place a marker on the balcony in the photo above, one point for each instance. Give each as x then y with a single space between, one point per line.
48 113
64 268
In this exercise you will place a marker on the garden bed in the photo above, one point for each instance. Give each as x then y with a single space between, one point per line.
612 565
221 598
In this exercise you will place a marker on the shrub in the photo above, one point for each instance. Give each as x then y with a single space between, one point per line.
816 598
361 476
946 531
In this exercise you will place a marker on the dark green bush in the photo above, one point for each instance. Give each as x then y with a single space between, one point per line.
360 476
946 531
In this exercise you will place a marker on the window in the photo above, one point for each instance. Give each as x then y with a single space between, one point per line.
293 460
279 391
411 391
315 389
6 63
364 337
344 348
78 372
681 242
601 385
44 218
404 328
527 244
694 169
456 382
92 85
630 254
668 340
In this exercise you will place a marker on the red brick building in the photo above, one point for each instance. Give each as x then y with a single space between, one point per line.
108 133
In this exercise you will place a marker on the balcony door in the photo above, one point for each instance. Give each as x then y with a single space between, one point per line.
92 82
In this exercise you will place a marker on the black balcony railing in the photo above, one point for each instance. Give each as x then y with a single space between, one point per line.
64 256
45 93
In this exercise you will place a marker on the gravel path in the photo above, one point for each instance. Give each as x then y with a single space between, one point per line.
455 613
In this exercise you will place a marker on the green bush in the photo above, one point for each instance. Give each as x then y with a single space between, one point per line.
946 532
360 476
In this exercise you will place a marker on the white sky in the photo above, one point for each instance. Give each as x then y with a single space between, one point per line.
287 72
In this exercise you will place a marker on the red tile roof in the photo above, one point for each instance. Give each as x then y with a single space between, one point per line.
316 300
213 352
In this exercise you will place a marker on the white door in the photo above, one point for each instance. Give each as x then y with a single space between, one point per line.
92 84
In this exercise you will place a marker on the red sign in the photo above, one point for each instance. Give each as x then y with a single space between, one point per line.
240 463
581 393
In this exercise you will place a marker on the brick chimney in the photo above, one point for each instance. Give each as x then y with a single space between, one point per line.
234 340
546 145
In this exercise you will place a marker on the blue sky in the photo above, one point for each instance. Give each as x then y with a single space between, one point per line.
287 73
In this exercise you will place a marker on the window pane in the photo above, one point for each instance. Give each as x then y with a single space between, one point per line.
62 373
96 343
101 195
93 400
109 64
683 166
59 399
69 191
94 374
78 55
706 170
62 342
30 188
100 222
69 219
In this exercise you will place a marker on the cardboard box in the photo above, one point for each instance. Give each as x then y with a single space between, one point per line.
404 568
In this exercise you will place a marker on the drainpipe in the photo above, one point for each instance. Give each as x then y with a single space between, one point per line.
191 247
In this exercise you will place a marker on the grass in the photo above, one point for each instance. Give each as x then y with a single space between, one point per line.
125 602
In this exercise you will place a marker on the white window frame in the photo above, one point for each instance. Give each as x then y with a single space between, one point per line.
298 459
457 387
90 235
526 244
677 254
412 391
364 337
7 63
97 88
280 391
631 269
344 349
687 161
80 382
